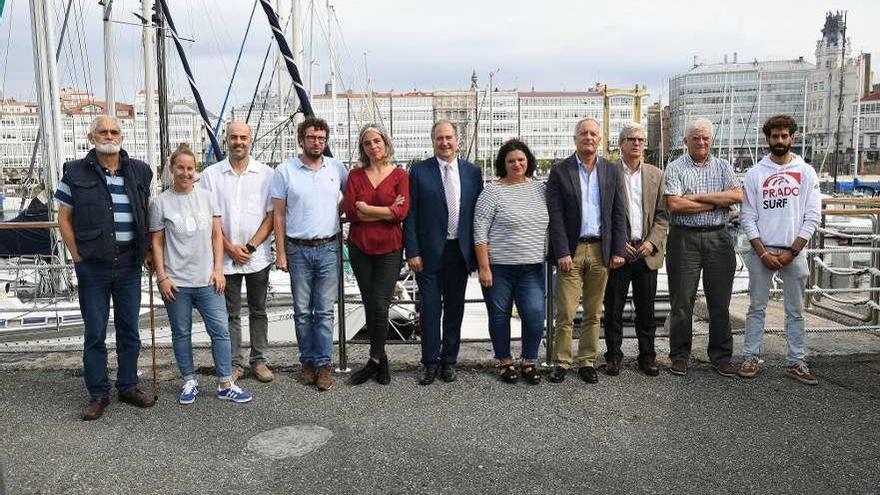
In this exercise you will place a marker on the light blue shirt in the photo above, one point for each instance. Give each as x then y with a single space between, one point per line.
312 197
591 213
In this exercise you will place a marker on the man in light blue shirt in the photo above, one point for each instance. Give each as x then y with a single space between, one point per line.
305 194
590 200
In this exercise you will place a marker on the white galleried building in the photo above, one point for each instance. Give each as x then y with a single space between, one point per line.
544 120
825 96
19 124
737 97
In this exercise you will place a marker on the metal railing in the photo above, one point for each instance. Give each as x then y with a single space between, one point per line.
817 251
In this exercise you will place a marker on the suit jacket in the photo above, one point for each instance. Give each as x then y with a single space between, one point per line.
425 227
564 205
655 221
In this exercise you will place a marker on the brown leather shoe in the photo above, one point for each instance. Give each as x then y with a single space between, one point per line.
325 380
237 372
309 374
262 372
726 369
95 409
136 398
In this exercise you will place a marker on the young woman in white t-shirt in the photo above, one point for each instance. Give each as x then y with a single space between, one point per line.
184 228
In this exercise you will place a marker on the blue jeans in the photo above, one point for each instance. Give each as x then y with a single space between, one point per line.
212 308
794 279
523 285
100 280
314 284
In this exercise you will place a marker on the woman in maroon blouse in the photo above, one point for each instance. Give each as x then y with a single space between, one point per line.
376 201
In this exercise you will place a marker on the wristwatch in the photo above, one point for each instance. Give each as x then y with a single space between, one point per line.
250 248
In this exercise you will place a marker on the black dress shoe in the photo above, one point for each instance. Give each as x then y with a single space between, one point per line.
136 398
648 367
383 376
429 373
447 373
613 367
557 375
368 371
588 374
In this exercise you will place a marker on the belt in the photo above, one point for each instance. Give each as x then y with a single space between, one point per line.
124 248
707 228
312 242
590 240
635 242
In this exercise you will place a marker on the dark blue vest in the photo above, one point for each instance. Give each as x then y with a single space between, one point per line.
93 224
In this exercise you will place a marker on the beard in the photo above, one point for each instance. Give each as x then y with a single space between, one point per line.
108 148
312 156
780 149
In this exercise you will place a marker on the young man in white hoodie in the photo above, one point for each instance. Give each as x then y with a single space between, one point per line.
780 212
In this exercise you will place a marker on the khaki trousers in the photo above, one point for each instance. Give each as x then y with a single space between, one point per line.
588 278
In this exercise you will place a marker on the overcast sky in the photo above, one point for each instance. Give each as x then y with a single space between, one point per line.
416 44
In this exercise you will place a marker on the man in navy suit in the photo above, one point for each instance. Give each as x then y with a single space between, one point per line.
587 237
439 246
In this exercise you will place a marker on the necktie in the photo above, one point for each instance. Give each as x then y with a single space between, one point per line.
451 201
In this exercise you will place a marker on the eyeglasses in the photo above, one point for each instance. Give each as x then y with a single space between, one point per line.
316 139
635 140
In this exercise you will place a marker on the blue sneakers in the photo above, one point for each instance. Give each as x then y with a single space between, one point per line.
234 394
189 393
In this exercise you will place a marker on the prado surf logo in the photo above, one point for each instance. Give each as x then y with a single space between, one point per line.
779 187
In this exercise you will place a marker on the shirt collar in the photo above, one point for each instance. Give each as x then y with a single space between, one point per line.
301 164
226 167
443 164
628 171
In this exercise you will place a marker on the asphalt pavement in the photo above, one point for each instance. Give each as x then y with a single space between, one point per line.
702 433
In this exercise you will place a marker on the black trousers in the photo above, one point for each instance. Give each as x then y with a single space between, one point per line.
376 276
644 284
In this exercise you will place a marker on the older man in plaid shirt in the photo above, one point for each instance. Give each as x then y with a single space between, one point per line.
700 189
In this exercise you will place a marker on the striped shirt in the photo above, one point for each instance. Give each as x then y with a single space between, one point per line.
683 177
123 220
513 219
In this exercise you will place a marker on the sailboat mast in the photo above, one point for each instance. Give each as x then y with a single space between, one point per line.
857 126
331 13
48 96
149 42
108 59
162 84
279 81
296 41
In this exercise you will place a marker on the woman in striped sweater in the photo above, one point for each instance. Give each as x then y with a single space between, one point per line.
510 229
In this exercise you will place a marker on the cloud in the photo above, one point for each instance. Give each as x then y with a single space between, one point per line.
553 45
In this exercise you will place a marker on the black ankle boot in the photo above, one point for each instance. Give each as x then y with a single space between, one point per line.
384 374
368 371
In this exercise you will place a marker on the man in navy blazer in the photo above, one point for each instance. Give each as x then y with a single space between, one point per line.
439 243
587 236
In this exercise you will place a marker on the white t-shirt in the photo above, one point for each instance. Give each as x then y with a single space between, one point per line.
187 221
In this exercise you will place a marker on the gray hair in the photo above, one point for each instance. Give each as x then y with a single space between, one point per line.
700 124
444 122
630 129
94 125
362 154
588 119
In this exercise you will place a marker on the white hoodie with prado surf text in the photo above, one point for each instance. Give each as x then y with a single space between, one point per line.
781 202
